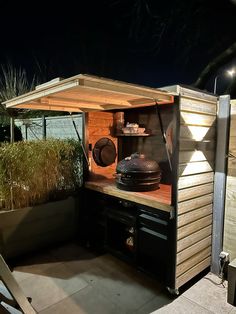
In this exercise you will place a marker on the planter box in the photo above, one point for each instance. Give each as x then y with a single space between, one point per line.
26 229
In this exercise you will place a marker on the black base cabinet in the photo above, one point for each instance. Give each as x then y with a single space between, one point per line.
132 232
153 230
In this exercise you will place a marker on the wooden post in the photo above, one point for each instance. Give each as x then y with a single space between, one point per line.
13 288
220 180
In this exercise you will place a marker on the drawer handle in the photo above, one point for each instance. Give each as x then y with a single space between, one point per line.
162 222
154 233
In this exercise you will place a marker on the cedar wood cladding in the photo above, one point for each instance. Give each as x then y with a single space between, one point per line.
195 184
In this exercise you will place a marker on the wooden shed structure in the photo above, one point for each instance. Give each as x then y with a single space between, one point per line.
172 226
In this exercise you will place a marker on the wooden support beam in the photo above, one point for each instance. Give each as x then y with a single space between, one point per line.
13 288
38 106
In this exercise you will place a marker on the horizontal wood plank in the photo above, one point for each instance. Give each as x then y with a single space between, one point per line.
197 133
195 155
194 215
197 95
192 250
189 193
194 180
195 167
194 227
186 206
192 261
192 145
198 106
193 238
187 118
232 142
181 280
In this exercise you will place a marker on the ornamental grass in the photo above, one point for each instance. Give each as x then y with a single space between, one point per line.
35 172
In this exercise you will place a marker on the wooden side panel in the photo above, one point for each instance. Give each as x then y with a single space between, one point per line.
100 124
195 180
193 271
195 184
230 201
188 230
195 237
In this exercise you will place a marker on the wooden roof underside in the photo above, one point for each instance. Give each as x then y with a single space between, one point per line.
83 93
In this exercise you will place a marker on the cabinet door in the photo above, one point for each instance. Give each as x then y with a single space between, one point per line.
92 220
152 243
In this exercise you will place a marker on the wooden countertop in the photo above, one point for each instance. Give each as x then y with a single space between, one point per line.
160 199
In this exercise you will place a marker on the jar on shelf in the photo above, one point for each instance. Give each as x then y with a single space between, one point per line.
119 121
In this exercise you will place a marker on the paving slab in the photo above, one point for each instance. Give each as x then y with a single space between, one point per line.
87 301
210 293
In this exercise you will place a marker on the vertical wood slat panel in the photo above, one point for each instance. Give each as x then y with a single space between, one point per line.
100 124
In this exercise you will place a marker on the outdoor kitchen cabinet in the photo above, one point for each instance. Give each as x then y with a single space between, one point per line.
186 191
109 222
184 249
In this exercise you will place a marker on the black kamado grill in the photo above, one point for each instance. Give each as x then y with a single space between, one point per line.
137 173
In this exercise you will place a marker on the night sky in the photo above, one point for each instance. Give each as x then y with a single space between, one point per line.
154 43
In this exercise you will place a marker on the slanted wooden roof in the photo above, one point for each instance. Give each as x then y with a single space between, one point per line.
89 93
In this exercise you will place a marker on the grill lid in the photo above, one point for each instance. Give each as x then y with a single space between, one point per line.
137 163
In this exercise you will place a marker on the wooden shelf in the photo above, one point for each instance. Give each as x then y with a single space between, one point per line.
133 134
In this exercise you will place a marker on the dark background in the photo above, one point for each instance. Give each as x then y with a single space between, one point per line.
154 43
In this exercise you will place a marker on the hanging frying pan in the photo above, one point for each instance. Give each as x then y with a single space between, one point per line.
104 152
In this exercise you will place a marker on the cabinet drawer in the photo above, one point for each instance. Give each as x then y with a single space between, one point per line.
154 223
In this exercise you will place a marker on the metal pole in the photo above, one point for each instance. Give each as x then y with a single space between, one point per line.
215 83
44 127
12 135
220 180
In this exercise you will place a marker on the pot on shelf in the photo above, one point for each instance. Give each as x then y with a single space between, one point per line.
138 173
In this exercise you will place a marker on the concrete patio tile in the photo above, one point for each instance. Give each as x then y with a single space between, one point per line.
233 311
80 265
182 306
88 300
55 284
162 299
109 263
131 294
209 293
